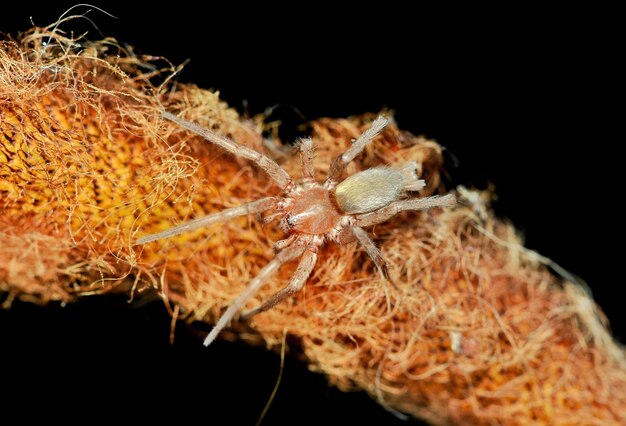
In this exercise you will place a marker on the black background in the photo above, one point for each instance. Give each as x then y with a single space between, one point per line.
525 99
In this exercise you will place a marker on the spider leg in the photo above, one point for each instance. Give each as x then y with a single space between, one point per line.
274 171
339 164
307 151
386 213
249 208
253 286
305 267
373 251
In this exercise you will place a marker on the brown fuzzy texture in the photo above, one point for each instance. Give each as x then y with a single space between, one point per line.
477 331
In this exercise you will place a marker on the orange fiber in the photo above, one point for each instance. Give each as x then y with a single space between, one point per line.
476 330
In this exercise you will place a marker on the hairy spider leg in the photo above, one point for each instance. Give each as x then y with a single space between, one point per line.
249 208
269 166
254 285
374 252
299 279
386 213
339 164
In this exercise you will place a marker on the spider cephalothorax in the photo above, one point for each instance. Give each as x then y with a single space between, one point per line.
311 213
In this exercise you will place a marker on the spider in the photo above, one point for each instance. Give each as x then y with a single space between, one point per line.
311 212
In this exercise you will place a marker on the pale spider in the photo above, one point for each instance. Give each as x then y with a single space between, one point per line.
312 212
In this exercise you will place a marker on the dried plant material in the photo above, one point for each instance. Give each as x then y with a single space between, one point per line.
476 329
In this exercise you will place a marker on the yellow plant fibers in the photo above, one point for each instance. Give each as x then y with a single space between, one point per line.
475 331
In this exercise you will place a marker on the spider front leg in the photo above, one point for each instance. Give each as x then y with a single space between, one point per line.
271 167
257 282
299 279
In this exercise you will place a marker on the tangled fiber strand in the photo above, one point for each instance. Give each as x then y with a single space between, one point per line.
476 329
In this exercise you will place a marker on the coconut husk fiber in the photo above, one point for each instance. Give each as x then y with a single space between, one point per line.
476 330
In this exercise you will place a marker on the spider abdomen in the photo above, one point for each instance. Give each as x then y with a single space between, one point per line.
369 190
312 212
